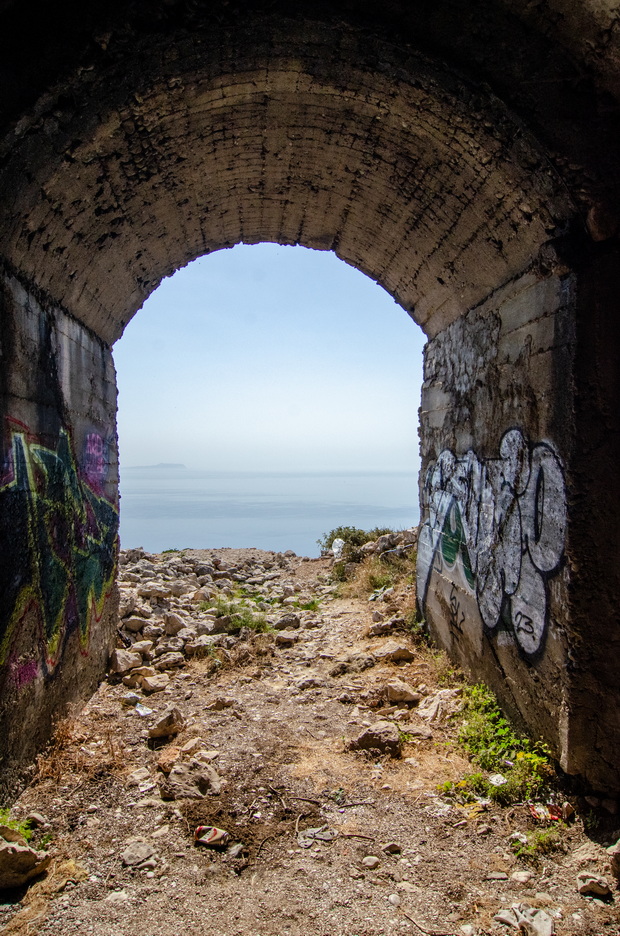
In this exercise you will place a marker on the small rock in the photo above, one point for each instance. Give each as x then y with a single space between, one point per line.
371 862
287 620
200 646
170 661
420 731
441 705
134 624
117 896
168 758
221 703
394 899
156 683
173 623
286 639
614 856
382 736
142 646
398 691
191 780
394 652
497 876
521 877
19 863
138 776
136 853
122 661
193 745
518 837
37 820
391 848
592 884
310 682
379 629
153 631
170 724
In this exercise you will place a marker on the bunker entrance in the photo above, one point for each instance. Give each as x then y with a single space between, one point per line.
307 133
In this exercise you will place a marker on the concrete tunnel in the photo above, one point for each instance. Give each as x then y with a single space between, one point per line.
464 156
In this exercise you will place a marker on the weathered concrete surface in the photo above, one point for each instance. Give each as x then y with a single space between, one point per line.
497 436
464 155
383 161
58 520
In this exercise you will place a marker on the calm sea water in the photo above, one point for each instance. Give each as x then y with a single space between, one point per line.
162 508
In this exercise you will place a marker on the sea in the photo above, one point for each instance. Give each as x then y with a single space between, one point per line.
170 507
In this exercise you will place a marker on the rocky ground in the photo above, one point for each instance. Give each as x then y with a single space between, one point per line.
317 746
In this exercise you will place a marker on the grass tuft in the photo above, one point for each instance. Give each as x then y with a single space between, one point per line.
492 744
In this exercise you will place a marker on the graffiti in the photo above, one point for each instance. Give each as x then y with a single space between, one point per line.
59 536
501 523
95 461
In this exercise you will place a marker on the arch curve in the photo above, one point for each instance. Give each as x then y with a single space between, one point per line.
411 173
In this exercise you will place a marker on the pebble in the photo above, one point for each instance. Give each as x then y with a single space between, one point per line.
118 896
371 862
391 848
136 853
394 899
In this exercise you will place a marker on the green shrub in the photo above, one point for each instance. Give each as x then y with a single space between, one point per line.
352 536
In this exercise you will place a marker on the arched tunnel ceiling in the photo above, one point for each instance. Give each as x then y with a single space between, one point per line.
160 142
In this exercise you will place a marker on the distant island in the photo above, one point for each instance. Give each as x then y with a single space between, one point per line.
160 465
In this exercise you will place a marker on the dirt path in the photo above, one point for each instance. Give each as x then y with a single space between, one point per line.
275 722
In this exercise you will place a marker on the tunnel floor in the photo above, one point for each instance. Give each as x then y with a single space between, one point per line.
268 719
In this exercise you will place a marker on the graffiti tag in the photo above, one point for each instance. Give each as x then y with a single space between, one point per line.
63 542
503 522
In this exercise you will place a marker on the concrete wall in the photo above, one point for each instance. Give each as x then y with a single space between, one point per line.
58 519
497 435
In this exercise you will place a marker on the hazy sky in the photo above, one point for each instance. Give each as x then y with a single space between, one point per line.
270 358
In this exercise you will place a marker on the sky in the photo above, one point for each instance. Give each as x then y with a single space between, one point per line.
270 358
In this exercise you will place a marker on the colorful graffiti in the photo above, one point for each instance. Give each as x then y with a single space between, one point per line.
59 535
501 523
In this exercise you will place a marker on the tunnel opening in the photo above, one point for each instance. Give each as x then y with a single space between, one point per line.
266 395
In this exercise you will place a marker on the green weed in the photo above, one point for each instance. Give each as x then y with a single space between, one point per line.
313 605
22 828
239 612
488 737
492 744
542 842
